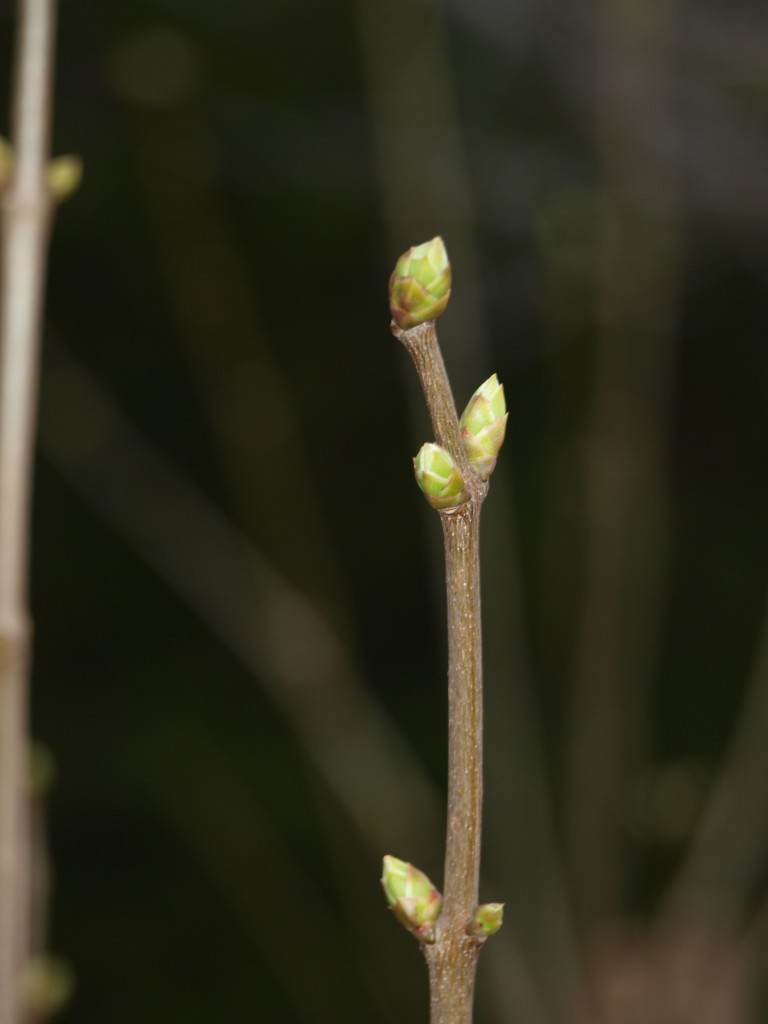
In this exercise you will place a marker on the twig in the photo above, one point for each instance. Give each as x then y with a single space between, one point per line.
26 211
429 134
452 958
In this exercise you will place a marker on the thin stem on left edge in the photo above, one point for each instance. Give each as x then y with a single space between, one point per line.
26 219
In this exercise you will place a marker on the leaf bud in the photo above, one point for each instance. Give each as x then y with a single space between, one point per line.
412 898
6 161
438 477
483 424
420 285
64 175
487 920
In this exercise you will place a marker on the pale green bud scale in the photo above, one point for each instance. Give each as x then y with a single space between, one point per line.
412 897
438 477
483 425
420 285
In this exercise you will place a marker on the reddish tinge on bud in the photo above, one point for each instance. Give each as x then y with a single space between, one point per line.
420 285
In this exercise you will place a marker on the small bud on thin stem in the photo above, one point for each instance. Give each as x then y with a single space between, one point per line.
483 424
41 770
487 920
48 984
64 175
412 898
6 161
420 285
439 479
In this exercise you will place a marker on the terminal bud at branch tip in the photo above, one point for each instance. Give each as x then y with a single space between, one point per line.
487 920
420 285
412 898
438 477
483 424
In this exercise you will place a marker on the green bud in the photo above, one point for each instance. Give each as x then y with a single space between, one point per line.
64 175
420 285
412 898
41 770
483 424
48 984
438 477
6 161
487 920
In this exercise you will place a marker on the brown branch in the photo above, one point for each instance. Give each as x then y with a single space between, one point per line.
452 959
26 213
428 134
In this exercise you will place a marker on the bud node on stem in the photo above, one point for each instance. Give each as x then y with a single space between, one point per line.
420 285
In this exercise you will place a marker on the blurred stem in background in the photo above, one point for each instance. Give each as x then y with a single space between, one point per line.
243 599
261 882
245 394
26 221
625 494
359 755
725 864
249 403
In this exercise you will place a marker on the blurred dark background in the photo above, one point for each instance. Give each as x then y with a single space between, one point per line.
237 588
